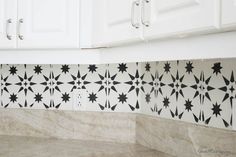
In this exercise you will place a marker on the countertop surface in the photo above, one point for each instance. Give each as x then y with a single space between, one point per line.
15 146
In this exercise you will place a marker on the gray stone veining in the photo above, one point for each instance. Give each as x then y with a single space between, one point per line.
13 146
87 134
184 139
98 126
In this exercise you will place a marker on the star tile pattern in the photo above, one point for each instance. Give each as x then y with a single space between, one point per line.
113 88
199 92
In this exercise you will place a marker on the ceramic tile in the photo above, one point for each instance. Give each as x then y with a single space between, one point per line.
195 91
123 87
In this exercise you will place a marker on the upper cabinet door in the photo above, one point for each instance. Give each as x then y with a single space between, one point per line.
228 13
163 18
48 24
116 21
8 14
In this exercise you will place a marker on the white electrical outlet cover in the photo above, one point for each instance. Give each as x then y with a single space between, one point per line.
79 99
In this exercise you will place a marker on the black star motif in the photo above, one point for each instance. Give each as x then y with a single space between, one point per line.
136 82
107 82
177 85
155 109
148 98
156 84
122 98
201 117
25 84
230 93
134 107
52 83
92 97
167 67
65 68
108 106
92 68
13 70
188 105
38 97
226 123
202 87
13 98
166 102
122 68
229 88
52 105
216 109
216 68
38 69
189 67
65 97
176 113
4 84
147 67
79 82
25 104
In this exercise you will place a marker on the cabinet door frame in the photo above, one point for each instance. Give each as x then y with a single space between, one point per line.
8 18
40 35
228 14
111 33
170 21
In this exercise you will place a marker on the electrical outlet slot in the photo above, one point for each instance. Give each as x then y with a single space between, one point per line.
79 99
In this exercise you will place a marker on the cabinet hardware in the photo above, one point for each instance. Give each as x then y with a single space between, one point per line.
8 23
134 5
143 16
20 36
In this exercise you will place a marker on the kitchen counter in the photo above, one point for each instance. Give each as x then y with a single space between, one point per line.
16 146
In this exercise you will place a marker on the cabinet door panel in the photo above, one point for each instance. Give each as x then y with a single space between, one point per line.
114 21
168 17
48 23
228 13
8 14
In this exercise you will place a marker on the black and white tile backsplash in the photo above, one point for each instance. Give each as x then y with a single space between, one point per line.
199 92
108 87
193 91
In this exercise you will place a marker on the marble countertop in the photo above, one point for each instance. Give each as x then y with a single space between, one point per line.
42 147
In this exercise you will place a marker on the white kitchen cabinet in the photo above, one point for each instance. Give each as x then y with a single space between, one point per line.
228 18
154 19
48 23
8 14
164 18
116 21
